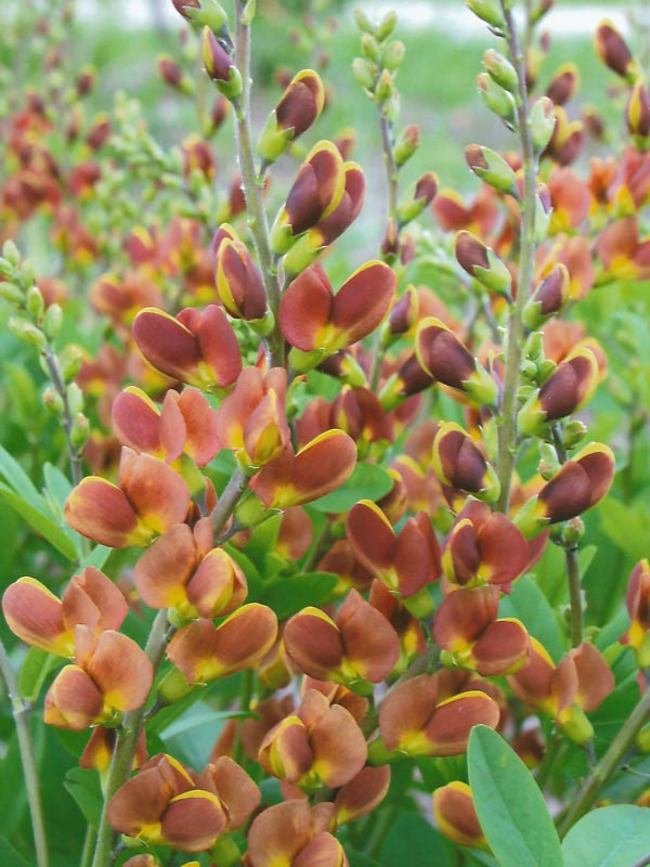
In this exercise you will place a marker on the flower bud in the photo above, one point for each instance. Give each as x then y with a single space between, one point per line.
392 55
202 13
482 263
488 11
407 144
363 73
549 298
490 167
496 98
418 198
501 70
614 52
455 815
219 65
53 321
34 303
542 122
299 108
370 48
386 26
385 88
27 332
637 110
564 84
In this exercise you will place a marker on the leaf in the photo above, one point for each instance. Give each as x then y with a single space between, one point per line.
367 482
9 857
37 665
83 785
17 478
509 804
98 556
415 842
40 522
56 485
288 594
627 526
528 603
616 836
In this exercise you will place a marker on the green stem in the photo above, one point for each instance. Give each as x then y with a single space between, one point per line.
122 760
507 428
89 846
245 705
548 764
253 185
608 764
20 710
56 377
228 500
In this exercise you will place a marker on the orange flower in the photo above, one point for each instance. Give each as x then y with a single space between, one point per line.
148 499
455 815
294 834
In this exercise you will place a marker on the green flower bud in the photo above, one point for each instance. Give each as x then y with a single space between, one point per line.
501 70
393 55
531 417
363 73
407 144
10 253
491 167
386 26
534 348
75 399
488 11
384 89
34 303
304 361
481 387
11 293
542 122
549 463
497 100
363 22
53 321
27 332
70 361
80 431
370 48
263 326
576 726
574 432
173 687
53 401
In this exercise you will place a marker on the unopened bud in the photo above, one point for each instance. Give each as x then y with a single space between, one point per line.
386 26
53 401
501 70
202 13
614 52
497 100
219 65
418 197
363 22
482 263
393 55
549 463
490 167
542 123
370 48
27 332
34 303
548 298
637 110
363 73
10 253
488 11
70 361
80 431
574 432
384 89
407 144
53 321
11 293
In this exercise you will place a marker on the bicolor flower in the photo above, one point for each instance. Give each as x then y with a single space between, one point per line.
637 600
41 619
98 752
564 84
204 652
637 110
148 499
111 676
308 247
320 744
295 534
482 263
184 572
361 794
614 52
406 561
460 464
407 626
219 65
314 196
445 358
569 388
294 834
359 645
321 466
299 108
415 721
484 547
549 297
252 421
166 804
455 815
184 424
239 283
578 684
197 347
318 322
580 484
466 628
340 560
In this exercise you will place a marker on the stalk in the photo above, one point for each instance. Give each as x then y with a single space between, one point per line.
20 710
253 184
572 563
608 764
507 429
74 456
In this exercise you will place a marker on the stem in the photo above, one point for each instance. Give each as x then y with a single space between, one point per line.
228 500
253 185
245 704
551 757
122 760
52 362
608 764
20 710
507 429
89 845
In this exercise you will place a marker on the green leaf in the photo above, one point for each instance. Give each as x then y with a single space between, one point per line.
627 526
9 857
509 804
367 482
37 665
40 522
288 594
617 836
17 478
415 842
57 485
98 556
528 603
83 785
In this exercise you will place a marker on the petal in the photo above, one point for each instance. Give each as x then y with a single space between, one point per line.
122 671
166 343
201 437
236 790
72 701
595 678
362 794
305 308
371 536
453 808
36 616
313 642
407 708
279 833
362 302
156 492
136 420
369 641
162 572
502 649
218 586
463 615
218 346
451 724
339 747
94 600
193 821
102 512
